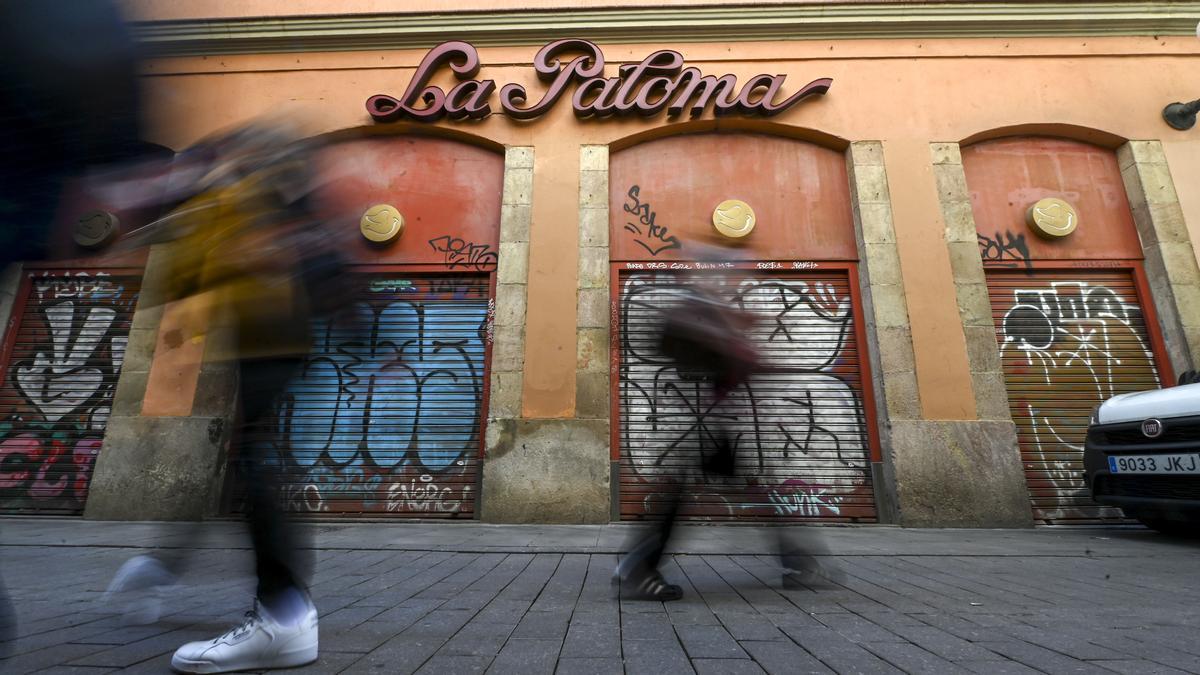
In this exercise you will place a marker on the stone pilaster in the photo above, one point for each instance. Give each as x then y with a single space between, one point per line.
551 470
592 314
1169 257
935 473
174 464
512 278
970 285
885 311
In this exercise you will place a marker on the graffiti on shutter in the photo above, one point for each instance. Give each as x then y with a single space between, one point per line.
1068 341
384 416
799 435
58 386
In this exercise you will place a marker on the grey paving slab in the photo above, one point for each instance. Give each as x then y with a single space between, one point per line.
778 657
998 667
455 665
838 653
1042 658
590 666
525 656
1139 668
709 642
913 659
590 640
470 597
654 657
726 667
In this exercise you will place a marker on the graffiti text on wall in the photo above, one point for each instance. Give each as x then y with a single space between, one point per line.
384 415
799 431
1005 250
69 349
461 253
1067 346
648 234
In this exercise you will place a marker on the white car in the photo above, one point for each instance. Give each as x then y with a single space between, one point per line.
1142 454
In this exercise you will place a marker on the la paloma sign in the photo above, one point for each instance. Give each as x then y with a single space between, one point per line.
660 82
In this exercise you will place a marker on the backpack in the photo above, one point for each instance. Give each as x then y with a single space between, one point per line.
706 337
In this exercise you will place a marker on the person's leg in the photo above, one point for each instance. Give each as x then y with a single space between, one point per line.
275 546
805 558
638 574
139 588
283 632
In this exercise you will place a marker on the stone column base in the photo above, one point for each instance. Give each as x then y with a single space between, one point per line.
959 474
546 471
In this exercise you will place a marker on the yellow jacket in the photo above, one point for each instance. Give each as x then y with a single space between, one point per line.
238 276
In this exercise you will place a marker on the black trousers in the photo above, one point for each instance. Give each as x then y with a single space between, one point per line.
276 550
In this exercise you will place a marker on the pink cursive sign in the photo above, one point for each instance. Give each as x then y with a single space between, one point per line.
659 82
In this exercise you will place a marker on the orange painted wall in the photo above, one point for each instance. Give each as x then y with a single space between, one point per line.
904 93
798 190
1006 176
441 187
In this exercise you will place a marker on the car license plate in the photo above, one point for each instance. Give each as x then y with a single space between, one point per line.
1181 464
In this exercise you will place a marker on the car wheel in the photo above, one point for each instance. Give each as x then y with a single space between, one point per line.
1172 528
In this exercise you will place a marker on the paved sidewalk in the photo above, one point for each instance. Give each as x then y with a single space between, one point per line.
466 597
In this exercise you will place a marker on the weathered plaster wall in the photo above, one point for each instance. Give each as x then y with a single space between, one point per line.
904 93
926 460
173 463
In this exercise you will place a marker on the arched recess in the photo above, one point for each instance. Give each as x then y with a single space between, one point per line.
1050 130
385 418
804 432
410 129
732 125
443 184
1074 319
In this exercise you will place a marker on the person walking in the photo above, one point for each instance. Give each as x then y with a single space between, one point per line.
247 251
708 342
69 103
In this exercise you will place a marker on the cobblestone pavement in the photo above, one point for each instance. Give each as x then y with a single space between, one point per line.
466 598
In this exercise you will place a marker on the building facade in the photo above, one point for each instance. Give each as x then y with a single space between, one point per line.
963 224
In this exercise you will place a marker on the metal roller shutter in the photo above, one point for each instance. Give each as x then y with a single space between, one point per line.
385 417
800 435
66 346
1068 341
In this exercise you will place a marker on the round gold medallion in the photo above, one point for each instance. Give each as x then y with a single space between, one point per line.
733 218
96 228
1052 218
381 223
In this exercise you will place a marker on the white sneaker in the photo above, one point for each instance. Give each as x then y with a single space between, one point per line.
137 588
259 643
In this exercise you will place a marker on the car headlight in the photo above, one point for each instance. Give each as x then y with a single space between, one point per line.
1095 418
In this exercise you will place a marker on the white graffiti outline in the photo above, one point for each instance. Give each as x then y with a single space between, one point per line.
1063 326
664 412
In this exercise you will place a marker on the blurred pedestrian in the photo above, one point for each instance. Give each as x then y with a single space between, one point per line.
68 103
708 341
248 252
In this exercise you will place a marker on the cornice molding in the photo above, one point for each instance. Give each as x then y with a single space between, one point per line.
675 24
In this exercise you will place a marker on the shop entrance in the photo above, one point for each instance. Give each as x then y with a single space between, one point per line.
800 432
771 221
1069 339
1070 303
62 357
384 417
